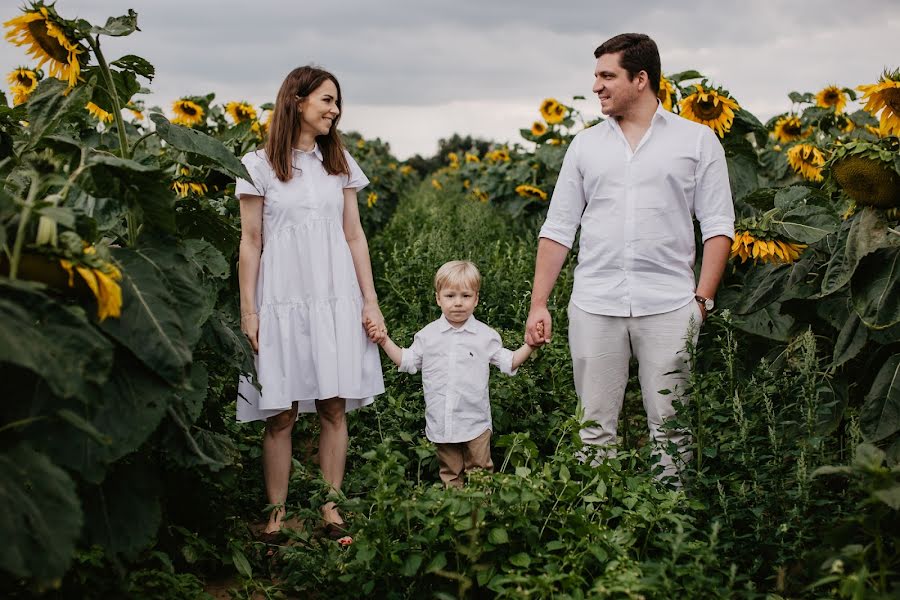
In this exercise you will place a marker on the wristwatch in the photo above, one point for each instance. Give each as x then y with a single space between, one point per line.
708 303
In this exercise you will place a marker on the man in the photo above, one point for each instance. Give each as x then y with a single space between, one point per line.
634 183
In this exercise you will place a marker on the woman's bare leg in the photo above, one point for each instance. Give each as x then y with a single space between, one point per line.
333 442
277 463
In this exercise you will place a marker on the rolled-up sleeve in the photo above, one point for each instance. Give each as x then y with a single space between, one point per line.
568 201
713 205
500 357
258 167
411 358
356 179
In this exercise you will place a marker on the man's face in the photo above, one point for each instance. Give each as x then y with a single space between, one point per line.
613 87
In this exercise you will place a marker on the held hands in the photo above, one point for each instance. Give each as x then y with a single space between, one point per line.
373 323
538 328
250 327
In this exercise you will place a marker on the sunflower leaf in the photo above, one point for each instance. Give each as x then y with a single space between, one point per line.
150 325
56 344
48 105
118 26
136 65
880 414
684 75
875 288
40 515
196 142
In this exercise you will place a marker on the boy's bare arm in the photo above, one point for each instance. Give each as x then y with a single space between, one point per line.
394 352
521 355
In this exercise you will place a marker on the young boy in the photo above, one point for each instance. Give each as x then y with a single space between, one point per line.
455 353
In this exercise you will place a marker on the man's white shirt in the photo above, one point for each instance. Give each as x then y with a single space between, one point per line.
455 365
636 210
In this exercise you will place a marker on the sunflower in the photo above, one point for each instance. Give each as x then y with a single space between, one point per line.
788 129
480 195
102 115
406 170
436 184
472 158
530 191
23 82
556 141
747 246
844 123
137 114
666 93
552 111
102 282
498 155
866 173
49 40
832 96
884 96
807 161
538 129
240 111
371 199
453 157
187 112
710 107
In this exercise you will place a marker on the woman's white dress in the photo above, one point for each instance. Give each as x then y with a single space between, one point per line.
311 340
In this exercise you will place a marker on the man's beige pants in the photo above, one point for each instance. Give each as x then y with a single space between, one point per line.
601 348
457 459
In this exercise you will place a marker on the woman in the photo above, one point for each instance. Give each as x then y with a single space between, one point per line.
306 286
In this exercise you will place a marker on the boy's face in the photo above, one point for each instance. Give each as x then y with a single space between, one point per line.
457 304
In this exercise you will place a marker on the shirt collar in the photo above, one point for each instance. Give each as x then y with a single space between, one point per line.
470 325
315 151
661 114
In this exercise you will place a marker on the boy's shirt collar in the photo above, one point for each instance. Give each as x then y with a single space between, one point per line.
471 324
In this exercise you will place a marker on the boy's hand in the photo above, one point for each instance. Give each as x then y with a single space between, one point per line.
539 329
376 333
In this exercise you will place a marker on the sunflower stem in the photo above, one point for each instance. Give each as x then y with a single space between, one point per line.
113 94
139 140
23 221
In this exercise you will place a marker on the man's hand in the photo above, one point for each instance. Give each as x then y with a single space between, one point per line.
538 326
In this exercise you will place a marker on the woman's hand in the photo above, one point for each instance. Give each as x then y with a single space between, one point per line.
373 322
250 327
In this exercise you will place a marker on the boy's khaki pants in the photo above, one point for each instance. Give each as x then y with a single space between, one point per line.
458 458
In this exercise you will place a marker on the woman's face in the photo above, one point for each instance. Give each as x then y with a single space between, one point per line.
319 110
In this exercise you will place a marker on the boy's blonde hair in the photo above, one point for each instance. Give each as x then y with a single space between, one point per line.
459 273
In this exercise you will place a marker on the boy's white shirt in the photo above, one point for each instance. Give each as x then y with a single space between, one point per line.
455 364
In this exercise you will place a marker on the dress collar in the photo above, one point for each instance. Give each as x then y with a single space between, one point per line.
315 151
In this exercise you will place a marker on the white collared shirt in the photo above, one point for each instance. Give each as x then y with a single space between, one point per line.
636 210
455 365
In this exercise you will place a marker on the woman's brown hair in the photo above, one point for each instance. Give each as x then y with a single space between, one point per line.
284 128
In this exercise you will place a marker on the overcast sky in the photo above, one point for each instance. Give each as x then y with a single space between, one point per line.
415 71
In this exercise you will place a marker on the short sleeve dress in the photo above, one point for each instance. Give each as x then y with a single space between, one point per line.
311 341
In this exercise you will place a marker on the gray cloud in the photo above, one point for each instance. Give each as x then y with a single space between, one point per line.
446 57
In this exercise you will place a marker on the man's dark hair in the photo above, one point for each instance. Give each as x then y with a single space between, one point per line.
639 53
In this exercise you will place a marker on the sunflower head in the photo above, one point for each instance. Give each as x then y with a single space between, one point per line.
187 113
666 93
498 155
552 111
538 129
530 191
832 97
806 160
764 247
789 129
884 97
50 40
241 111
865 172
711 107
102 115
